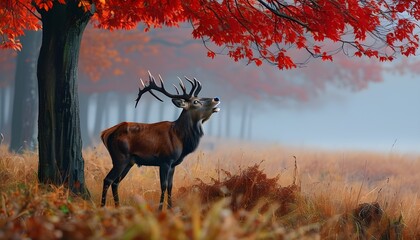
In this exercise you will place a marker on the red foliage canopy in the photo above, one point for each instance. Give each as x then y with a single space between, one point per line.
254 30
105 54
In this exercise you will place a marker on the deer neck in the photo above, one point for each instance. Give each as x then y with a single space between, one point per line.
189 131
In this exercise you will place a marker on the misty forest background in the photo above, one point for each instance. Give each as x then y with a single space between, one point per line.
111 65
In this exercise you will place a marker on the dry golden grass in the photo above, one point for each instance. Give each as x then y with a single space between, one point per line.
331 185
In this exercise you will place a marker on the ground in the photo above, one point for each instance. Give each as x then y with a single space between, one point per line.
244 191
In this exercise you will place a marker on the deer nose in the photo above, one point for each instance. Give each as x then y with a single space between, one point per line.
216 99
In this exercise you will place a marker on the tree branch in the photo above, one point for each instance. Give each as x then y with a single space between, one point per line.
282 15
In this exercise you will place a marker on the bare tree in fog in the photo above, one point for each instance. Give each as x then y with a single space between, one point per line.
25 101
84 99
7 73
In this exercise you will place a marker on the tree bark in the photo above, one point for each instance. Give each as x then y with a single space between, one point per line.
60 143
25 102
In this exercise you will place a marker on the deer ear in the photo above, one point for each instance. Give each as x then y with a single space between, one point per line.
179 102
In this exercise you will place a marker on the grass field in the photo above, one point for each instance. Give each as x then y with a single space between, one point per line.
235 191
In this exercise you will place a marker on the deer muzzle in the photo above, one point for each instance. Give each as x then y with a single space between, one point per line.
217 101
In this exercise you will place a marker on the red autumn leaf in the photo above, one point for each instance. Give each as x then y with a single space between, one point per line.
257 61
317 49
44 4
401 7
211 54
326 57
383 59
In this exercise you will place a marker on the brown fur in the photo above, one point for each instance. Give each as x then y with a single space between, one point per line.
107 132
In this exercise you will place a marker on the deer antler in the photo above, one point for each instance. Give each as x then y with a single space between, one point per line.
196 88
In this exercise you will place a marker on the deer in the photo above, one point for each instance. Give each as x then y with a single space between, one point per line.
162 144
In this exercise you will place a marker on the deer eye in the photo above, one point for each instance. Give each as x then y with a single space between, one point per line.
196 102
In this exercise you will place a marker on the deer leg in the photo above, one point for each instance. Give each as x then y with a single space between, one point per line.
170 179
117 181
163 174
109 179
107 182
106 185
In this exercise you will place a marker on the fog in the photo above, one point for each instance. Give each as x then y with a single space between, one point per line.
351 103
384 117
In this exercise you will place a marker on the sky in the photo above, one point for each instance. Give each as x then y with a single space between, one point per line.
384 117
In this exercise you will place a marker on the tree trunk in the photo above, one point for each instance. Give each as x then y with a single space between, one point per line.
243 122
107 119
84 119
219 126
2 108
3 100
249 136
228 120
122 107
137 115
100 114
60 143
162 112
147 106
25 102
6 114
210 126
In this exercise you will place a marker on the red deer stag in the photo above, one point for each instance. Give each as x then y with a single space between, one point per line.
163 144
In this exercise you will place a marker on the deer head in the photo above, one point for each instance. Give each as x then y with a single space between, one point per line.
199 109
